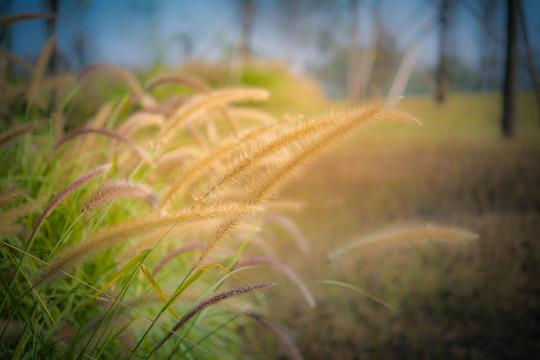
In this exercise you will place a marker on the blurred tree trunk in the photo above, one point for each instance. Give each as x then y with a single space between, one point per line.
54 67
248 12
51 30
353 85
530 57
510 78
442 71
5 31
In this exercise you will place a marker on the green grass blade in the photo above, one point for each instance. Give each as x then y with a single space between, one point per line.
353 288
115 278
156 286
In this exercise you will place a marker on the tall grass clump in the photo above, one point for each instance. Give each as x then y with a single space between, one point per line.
85 247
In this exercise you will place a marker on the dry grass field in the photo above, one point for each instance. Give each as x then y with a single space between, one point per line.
135 214
479 300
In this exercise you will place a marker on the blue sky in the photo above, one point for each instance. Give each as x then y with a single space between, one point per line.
135 33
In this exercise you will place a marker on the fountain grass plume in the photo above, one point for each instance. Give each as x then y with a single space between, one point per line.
214 299
210 100
310 148
404 235
200 165
309 141
291 135
115 235
65 193
118 189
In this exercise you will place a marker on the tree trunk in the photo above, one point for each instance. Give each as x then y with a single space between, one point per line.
54 67
510 78
354 54
442 72
248 12
530 57
51 30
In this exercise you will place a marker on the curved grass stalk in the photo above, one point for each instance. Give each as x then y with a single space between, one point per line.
265 246
404 235
65 193
284 269
355 289
196 135
55 82
211 131
8 19
252 114
224 112
20 130
109 133
291 227
282 337
118 71
192 82
17 60
102 115
190 247
169 105
139 120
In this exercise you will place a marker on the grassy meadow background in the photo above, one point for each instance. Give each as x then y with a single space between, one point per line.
122 280
470 302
